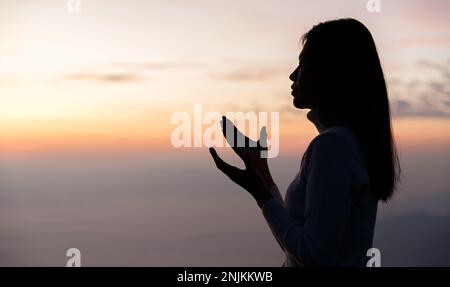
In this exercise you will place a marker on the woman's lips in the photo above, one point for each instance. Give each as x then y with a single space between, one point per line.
293 89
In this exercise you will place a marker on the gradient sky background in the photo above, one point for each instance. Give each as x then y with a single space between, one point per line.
85 105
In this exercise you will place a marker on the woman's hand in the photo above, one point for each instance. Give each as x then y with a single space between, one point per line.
256 177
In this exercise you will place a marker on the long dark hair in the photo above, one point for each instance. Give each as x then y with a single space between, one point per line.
349 89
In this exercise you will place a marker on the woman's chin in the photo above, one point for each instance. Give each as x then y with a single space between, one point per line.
299 104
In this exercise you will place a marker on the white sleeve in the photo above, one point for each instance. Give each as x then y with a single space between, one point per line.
276 197
276 194
328 192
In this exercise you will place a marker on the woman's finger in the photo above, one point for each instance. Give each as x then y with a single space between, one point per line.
219 162
235 138
226 168
247 157
262 143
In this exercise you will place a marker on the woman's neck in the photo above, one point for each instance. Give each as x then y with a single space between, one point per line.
313 116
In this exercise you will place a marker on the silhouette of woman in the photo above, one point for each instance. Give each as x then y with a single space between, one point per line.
329 212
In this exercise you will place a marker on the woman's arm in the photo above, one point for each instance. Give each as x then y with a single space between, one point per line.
276 194
328 200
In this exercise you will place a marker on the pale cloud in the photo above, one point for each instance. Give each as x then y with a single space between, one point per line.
423 96
106 78
247 75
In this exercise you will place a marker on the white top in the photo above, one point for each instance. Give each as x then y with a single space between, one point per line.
329 213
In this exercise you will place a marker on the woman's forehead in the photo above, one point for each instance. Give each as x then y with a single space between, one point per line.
304 52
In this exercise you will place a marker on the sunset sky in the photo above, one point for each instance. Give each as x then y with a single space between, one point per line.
112 75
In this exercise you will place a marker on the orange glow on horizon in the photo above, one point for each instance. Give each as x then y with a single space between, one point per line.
295 135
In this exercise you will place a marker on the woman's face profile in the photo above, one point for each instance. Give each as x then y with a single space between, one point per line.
302 81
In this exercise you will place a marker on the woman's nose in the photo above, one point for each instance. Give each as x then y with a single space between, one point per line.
293 76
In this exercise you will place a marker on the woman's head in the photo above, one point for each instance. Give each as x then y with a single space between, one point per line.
340 74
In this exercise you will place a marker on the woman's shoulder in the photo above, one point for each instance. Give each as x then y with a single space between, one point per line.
336 151
335 142
335 137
